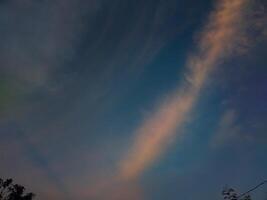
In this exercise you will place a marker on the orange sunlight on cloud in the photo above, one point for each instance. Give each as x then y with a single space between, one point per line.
217 40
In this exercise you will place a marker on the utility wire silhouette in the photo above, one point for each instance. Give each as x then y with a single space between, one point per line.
252 189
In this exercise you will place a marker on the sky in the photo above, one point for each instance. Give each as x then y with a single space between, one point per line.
136 100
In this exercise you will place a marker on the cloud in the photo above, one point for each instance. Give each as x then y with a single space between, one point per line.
234 130
55 53
256 19
118 191
35 65
228 129
216 42
54 49
34 37
27 161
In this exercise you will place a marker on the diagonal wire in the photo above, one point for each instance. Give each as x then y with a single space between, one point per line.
252 189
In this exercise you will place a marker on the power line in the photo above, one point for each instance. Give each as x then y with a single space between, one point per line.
252 189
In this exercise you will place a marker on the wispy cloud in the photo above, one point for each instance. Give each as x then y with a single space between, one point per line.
235 131
152 138
228 129
216 42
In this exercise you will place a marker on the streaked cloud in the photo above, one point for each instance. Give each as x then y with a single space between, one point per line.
69 85
228 129
216 42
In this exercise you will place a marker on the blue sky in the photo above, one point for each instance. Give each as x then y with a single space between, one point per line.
138 100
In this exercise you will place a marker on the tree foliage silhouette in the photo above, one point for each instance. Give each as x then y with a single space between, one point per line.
10 191
230 194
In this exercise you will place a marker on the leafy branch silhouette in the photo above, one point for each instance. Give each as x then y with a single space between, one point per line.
230 193
10 191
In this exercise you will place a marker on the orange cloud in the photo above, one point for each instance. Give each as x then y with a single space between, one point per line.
216 42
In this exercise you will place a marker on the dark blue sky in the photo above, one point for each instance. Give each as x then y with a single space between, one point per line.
138 100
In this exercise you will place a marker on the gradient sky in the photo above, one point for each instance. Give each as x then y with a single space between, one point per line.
136 100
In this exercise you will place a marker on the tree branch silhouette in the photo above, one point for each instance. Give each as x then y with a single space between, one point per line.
10 191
